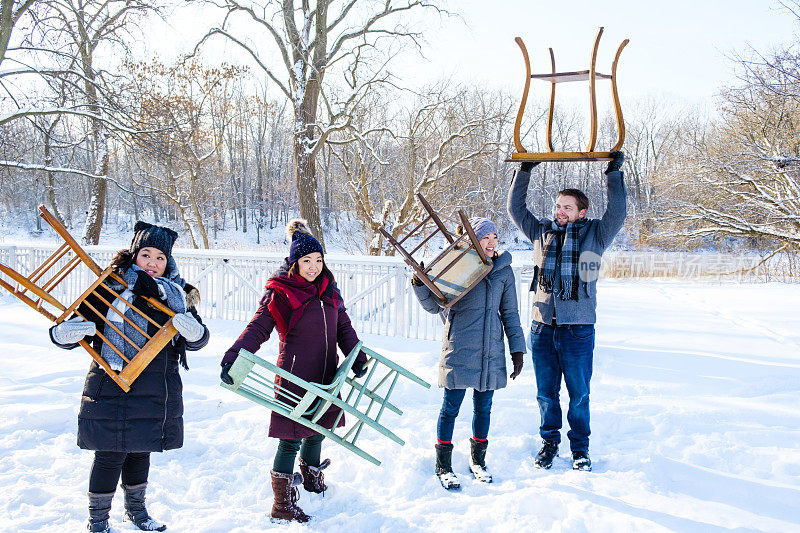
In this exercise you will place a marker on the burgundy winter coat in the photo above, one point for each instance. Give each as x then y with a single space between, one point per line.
307 347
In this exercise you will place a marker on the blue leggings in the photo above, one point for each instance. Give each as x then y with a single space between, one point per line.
482 402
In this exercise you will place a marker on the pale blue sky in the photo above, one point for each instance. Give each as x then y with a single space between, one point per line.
677 47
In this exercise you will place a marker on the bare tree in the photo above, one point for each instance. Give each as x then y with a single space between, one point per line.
11 12
739 180
315 39
441 146
88 24
189 109
61 48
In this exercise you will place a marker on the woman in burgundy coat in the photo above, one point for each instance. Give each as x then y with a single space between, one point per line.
302 302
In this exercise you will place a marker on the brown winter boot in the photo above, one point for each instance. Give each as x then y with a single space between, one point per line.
313 478
284 487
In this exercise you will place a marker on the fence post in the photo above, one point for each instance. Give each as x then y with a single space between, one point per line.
220 276
400 285
12 257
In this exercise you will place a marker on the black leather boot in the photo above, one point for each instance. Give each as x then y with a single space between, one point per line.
444 469
477 460
544 459
135 510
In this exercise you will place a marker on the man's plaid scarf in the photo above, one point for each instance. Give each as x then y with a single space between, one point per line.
569 258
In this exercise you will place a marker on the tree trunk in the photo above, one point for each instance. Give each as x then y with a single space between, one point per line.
305 165
51 181
97 195
99 186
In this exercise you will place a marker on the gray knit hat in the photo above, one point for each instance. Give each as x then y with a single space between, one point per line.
482 227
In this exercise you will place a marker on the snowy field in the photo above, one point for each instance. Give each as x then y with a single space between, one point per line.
695 418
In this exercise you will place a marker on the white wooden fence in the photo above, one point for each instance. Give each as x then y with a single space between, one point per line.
377 290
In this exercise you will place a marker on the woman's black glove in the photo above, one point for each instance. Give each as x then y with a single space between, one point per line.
616 163
223 375
527 166
516 358
415 279
359 368
145 285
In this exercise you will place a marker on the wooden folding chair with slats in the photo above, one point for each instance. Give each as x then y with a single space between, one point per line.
36 289
458 268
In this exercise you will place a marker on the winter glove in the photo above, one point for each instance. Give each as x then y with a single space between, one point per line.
223 375
516 358
188 327
145 285
415 279
616 163
72 330
359 368
527 166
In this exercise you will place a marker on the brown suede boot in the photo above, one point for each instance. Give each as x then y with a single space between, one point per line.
313 478
284 487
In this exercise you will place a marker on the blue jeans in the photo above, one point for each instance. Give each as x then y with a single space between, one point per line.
482 402
563 351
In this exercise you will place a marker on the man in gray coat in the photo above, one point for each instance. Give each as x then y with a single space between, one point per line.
567 252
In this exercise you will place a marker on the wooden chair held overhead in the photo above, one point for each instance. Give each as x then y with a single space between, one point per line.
37 288
591 75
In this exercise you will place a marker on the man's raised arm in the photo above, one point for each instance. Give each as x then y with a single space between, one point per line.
517 210
617 207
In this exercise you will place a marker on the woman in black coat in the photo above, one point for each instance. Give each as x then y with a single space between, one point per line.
123 428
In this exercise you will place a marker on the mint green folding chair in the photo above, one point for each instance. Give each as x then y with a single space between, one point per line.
365 402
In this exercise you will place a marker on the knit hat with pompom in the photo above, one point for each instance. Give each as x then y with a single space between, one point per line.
303 243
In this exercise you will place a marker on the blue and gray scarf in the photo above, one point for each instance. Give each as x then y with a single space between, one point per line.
569 259
170 288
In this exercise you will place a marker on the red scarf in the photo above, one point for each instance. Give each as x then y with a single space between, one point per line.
290 296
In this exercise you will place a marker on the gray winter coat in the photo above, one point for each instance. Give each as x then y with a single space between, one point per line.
473 353
595 236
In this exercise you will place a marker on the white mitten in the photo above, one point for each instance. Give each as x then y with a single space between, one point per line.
188 327
72 330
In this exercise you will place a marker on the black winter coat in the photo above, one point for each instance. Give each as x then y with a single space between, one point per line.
149 417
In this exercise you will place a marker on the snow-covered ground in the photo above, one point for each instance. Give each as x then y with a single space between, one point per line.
695 418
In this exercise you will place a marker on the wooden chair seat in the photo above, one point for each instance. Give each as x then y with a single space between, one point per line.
467 271
365 402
